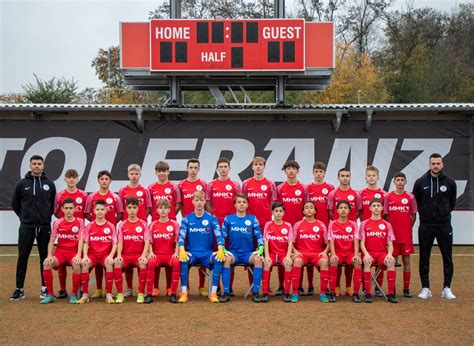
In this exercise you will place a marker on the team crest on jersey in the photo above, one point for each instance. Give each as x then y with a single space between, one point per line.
138 229
348 229
46 187
106 230
75 229
78 200
169 228
350 197
205 222
377 195
248 222
228 187
382 226
264 187
139 193
109 200
324 191
405 201
199 188
284 231
443 188
298 192
167 190
316 229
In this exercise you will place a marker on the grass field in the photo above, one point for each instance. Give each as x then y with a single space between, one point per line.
412 321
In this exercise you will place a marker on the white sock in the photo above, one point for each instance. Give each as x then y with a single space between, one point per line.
214 289
184 289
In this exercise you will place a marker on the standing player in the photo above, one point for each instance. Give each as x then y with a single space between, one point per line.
318 192
309 238
114 211
376 236
71 177
164 189
134 189
346 193
198 230
133 245
187 187
343 237
278 250
401 209
100 245
67 231
293 194
164 250
240 229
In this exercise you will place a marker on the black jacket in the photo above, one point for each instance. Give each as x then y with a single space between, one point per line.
435 197
33 200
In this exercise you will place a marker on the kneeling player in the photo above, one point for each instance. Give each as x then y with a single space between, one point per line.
309 248
68 250
164 250
241 229
100 245
198 230
343 237
376 236
133 246
277 250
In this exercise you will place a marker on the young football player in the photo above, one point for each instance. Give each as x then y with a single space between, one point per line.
318 192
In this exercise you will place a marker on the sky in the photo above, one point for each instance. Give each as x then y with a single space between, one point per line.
59 38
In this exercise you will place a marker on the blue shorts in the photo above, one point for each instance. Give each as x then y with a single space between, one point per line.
241 257
202 258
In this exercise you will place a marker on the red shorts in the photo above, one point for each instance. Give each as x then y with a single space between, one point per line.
310 258
378 257
277 258
345 258
65 257
162 261
97 259
130 260
403 249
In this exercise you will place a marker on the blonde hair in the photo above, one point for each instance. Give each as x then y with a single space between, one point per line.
134 167
259 159
199 195
372 169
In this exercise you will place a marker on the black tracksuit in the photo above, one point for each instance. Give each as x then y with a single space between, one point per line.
436 198
33 202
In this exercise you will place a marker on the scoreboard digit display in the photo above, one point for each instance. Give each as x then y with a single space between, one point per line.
227 45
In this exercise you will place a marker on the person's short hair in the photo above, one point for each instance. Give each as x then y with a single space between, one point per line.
372 169
259 159
241 195
71 173
376 200
68 201
344 169
134 167
319 165
400 175
343 201
223 159
100 202
435 156
314 205
104 172
277 205
36 157
163 203
162 166
193 160
199 195
290 163
132 201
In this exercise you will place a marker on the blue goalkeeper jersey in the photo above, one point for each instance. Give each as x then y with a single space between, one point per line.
241 231
199 232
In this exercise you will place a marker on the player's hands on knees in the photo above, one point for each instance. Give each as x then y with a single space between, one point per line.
48 261
143 260
118 260
288 260
76 259
323 255
296 254
220 255
86 262
368 260
356 259
334 259
110 260
389 260
183 255
268 260
153 256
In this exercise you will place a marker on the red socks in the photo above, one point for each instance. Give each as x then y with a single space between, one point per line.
118 280
406 280
265 281
85 283
48 280
310 273
129 277
62 274
332 278
391 275
109 281
99 276
141 280
367 282
324 277
295 278
287 278
76 282
357 280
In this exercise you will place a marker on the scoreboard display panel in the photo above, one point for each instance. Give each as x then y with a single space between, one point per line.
227 45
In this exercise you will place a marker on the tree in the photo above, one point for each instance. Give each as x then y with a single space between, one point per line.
50 91
12 98
316 10
107 67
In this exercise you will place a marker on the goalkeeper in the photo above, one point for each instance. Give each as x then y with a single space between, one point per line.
240 229
198 230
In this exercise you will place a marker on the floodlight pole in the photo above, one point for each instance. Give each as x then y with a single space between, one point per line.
175 95
280 87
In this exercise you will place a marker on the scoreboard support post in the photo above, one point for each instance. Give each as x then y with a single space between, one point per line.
279 6
175 92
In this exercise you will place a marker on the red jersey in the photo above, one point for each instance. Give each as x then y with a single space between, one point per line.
376 234
261 194
114 205
143 196
368 195
221 194
318 194
79 198
186 189
309 237
169 191
100 238
277 237
350 195
343 235
133 235
400 209
293 198
67 233
164 237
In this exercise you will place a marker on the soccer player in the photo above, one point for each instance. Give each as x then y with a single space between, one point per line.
134 189
318 192
344 192
343 237
278 250
164 189
67 231
198 230
100 245
401 209
187 187
293 194
240 230
376 236
309 247
164 250
113 215
71 177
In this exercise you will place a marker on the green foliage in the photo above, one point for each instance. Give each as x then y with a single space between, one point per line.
50 91
107 67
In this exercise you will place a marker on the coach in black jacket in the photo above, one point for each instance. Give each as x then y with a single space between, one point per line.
435 195
33 202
